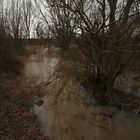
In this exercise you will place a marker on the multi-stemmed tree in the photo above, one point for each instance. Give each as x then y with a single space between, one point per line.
104 31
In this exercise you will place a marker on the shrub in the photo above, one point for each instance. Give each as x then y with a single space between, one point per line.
9 63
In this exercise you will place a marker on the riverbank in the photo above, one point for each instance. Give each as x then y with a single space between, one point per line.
66 113
16 120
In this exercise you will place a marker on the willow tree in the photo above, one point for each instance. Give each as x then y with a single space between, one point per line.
104 31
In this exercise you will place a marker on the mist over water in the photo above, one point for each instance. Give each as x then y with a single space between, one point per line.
76 117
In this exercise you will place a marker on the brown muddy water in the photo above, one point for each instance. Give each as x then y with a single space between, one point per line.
76 117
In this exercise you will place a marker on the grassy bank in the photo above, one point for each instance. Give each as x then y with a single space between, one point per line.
16 120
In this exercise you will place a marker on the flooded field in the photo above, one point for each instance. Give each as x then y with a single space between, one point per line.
76 116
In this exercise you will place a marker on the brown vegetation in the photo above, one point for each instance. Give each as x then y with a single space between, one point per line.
105 32
106 36
16 119
17 122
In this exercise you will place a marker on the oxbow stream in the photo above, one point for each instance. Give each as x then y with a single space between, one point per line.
76 119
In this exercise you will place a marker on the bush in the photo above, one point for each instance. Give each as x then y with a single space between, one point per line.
9 63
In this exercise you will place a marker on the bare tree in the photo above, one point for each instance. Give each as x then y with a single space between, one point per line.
60 22
15 18
104 31
42 31
28 16
4 28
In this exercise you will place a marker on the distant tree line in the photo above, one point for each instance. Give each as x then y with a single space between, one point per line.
20 19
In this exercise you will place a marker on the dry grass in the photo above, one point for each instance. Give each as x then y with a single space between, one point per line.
16 120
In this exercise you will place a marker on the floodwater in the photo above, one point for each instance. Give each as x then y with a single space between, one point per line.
75 116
